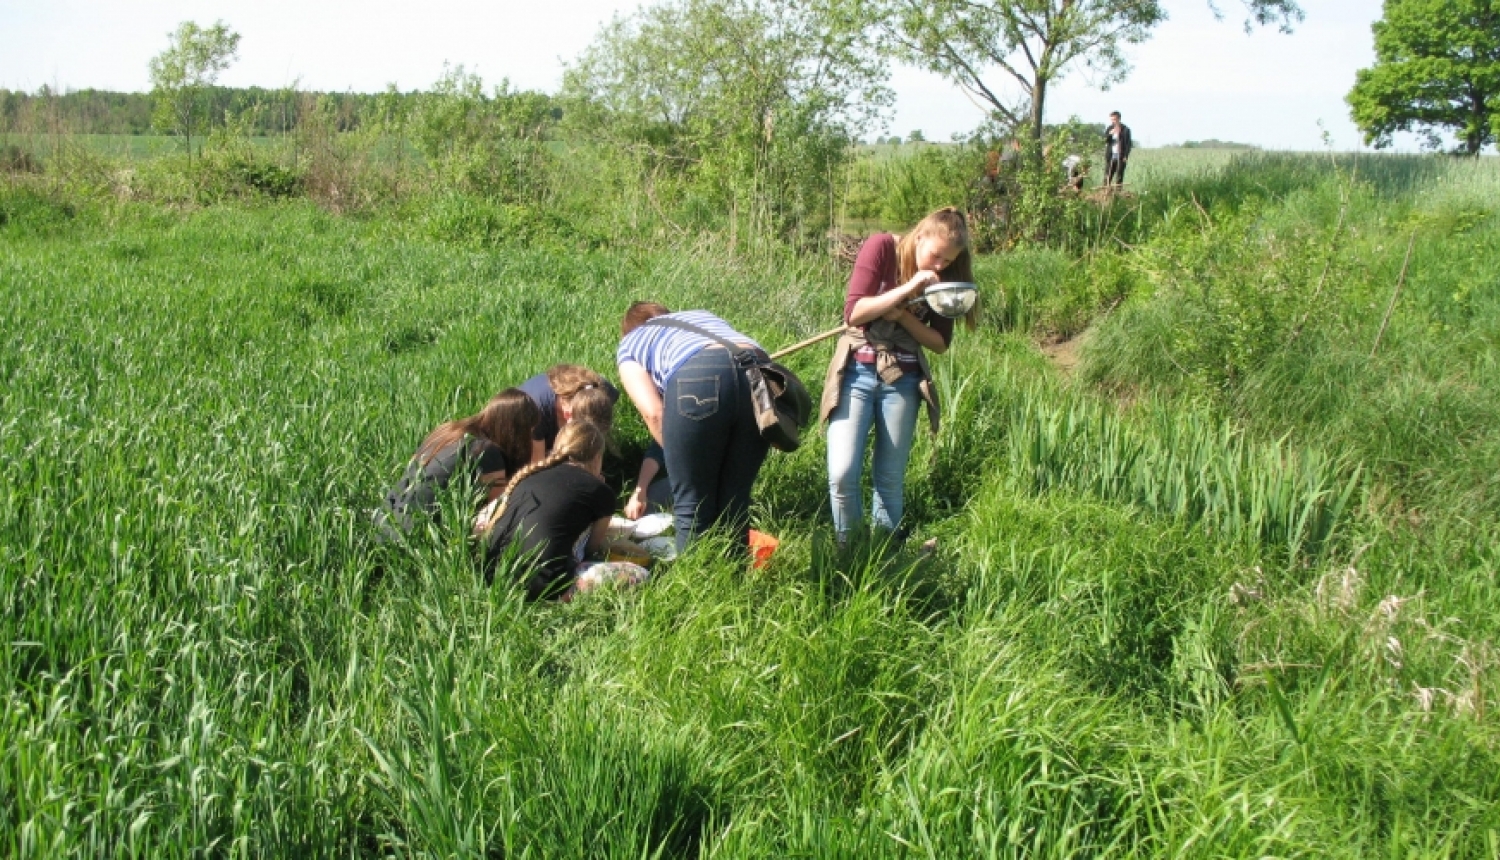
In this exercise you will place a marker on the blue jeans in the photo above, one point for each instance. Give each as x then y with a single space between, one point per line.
866 402
713 447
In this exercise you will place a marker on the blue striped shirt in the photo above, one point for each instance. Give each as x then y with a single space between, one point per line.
661 349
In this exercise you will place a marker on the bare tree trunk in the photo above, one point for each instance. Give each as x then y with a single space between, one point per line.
1038 102
1474 140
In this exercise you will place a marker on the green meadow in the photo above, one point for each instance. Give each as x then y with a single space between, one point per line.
1227 588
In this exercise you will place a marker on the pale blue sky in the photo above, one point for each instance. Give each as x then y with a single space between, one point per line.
1197 78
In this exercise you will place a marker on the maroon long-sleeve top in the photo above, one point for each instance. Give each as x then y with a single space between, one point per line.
875 271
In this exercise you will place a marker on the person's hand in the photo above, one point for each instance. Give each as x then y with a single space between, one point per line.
635 507
921 281
484 519
894 314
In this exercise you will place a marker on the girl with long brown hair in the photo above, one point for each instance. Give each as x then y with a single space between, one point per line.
486 448
879 373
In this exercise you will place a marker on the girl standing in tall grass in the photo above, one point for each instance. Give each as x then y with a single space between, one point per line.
696 403
486 448
879 371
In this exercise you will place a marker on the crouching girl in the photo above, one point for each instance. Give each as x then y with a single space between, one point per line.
564 393
553 514
485 449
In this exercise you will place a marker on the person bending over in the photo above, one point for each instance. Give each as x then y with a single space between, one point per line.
697 405
486 449
565 392
879 372
554 513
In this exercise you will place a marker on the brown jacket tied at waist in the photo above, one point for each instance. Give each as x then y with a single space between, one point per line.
887 338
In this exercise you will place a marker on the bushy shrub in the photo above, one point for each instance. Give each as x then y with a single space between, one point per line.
933 177
26 209
241 171
469 219
14 159
745 108
493 145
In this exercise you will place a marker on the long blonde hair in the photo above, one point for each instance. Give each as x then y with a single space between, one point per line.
949 225
578 442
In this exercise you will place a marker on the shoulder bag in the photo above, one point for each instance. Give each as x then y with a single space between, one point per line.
782 405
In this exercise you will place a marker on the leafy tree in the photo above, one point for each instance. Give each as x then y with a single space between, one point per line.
1437 67
184 71
749 105
916 137
492 144
1032 43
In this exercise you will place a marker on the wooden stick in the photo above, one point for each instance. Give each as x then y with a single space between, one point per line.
1394 295
809 342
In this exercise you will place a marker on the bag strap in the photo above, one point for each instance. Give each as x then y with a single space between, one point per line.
743 356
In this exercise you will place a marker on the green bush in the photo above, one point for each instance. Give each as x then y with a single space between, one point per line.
241 173
29 210
467 219
14 159
491 145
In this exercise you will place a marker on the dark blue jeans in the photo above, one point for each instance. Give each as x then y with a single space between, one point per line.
713 448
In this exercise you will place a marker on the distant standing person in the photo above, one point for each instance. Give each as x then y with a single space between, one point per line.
1117 146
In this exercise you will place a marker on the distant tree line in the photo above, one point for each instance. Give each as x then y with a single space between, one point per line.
260 111
1211 143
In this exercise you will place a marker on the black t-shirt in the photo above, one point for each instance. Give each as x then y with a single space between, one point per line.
546 515
419 486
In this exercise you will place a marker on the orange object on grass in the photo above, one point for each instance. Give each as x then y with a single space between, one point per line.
763 546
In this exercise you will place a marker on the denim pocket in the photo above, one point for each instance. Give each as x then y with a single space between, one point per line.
698 398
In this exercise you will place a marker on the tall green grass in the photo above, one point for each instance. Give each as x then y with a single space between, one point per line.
1146 631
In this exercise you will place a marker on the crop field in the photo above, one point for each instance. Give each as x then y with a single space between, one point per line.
1229 588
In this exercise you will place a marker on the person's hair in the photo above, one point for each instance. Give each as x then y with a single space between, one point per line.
505 422
1115 114
566 380
594 405
950 225
638 313
579 442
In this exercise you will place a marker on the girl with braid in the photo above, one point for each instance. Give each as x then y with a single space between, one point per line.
553 513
